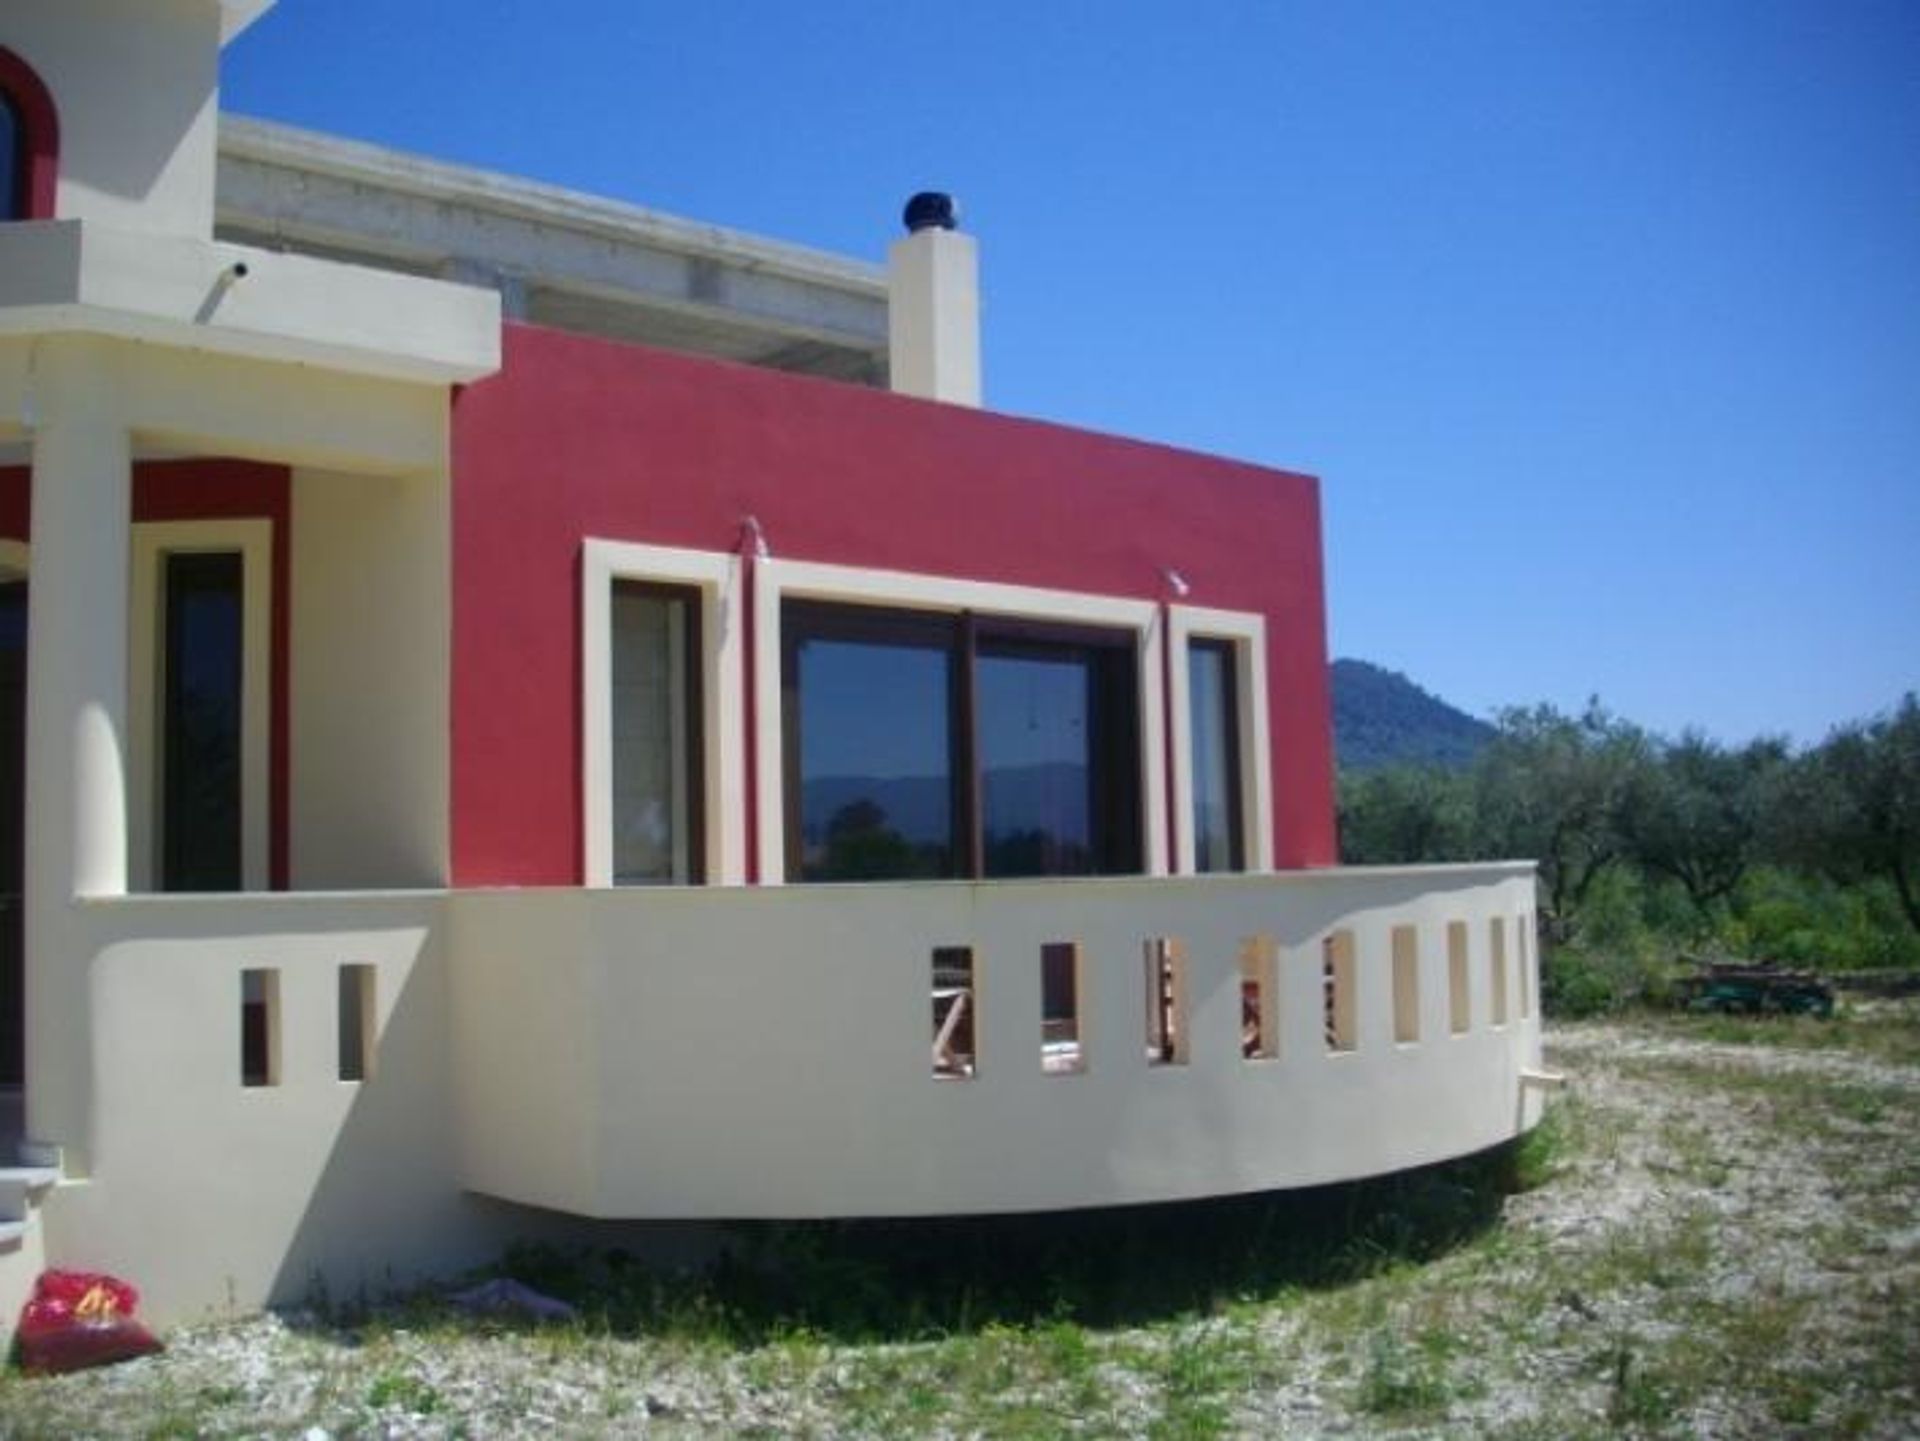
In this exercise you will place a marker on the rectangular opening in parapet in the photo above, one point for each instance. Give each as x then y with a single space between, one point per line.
1061 1049
1336 953
1459 1003
1406 984
954 1010
1523 944
1166 974
356 1022
1497 968
260 1028
1259 999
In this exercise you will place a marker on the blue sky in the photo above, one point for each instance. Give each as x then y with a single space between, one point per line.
1599 322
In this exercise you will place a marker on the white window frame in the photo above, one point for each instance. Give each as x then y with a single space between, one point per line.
777 581
1246 631
152 542
716 576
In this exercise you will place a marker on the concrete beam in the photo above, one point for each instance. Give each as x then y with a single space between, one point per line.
307 190
78 277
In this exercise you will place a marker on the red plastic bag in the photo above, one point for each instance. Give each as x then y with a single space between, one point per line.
78 1319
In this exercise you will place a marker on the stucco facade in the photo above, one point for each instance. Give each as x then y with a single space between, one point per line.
438 821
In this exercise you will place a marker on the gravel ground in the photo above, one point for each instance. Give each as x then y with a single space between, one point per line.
1728 1244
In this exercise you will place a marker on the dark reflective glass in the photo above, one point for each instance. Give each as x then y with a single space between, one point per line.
1215 753
1036 762
12 170
947 745
876 769
200 724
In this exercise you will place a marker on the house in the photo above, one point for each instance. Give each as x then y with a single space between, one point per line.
539 715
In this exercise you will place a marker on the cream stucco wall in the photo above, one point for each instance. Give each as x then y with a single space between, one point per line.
136 87
726 1052
766 1052
87 404
85 277
369 685
209 1194
933 316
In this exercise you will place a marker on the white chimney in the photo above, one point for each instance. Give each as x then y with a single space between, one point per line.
933 305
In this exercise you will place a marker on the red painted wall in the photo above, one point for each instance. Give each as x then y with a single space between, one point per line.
579 437
212 490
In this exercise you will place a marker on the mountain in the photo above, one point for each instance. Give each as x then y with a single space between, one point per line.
1380 718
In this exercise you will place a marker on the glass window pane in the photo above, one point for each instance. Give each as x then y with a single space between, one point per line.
1036 762
12 205
1215 757
876 757
655 736
200 723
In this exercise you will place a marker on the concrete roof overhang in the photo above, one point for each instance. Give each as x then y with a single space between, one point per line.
79 277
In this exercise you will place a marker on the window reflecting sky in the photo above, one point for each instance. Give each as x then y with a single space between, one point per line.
873 710
1036 763
876 769
1033 709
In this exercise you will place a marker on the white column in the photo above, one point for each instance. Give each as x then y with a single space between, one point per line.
76 802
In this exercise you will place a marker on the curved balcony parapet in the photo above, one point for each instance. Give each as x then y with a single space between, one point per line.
371 1061
794 1051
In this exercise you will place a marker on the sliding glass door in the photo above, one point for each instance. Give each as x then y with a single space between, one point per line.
1058 757
873 789
935 745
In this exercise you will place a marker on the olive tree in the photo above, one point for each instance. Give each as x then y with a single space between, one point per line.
1697 813
1404 815
1551 787
1853 805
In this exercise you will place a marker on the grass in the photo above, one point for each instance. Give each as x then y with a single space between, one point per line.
1402 1379
1803 1105
1873 1030
1718 1227
924 1280
403 1392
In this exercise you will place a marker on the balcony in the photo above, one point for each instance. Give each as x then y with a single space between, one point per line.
792 1051
370 1062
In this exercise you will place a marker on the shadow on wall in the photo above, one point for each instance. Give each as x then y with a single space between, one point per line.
388 1212
386 1209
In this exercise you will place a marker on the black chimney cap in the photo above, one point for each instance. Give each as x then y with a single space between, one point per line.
930 210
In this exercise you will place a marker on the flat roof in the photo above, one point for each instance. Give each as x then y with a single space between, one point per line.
558 257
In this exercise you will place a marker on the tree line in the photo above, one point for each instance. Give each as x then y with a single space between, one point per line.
1809 855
